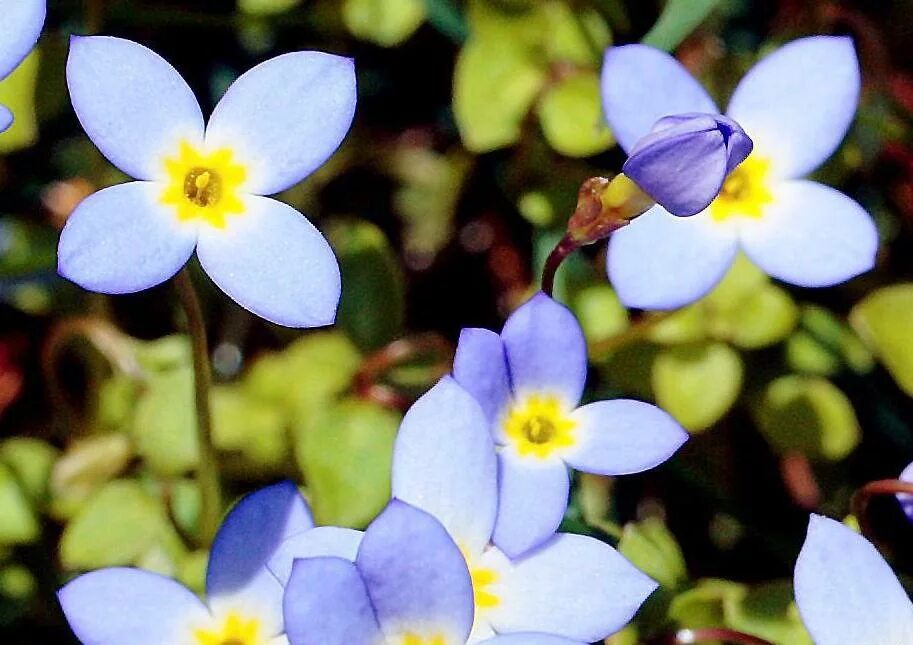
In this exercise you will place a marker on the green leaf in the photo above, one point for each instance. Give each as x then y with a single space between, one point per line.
807 414
687 325
19 524
600 312
119 525
252 432
884 320
837 337
678 19
805 354
17 93
384 22
373 305
31 461
344 452
767 611
697 383
164 424
266 7
571 117
85 466
575 35
704 605
494 85
653 549
765 317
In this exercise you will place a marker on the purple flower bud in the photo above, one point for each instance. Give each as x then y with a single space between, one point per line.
684 160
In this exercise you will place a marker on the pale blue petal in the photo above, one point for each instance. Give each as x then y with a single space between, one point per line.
811 235
640 85
533 499
846 592
285 117
622 437
134 106
415 574
6 118
318 542
480 366
660 261
546 350
22 23
573 586
798 102
905 499
326 602
530 639
444 463
249 536
122 239
272 261
121 606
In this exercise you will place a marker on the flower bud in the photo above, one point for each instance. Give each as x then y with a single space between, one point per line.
684 160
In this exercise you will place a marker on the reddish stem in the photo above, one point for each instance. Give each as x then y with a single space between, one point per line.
563 249
709 634
367 380
862 497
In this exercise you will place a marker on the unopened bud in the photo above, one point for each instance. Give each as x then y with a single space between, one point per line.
604 206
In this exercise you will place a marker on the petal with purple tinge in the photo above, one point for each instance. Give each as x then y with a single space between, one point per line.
660 261
811 235
122 239
321 541
846 592
640 85
572 586
22 23
480 366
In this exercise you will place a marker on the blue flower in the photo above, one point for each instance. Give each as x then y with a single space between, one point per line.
796 105
405 583
201 186
529 381
684 160
846 592
22 21
124 606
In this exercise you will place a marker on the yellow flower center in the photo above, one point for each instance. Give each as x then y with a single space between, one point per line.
204 186
745 192
410 638
482 579
233 630
539 425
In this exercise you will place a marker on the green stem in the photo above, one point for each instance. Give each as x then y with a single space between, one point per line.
207 470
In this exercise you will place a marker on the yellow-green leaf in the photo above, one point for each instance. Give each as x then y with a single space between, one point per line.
884 320
18 523
600 312
697 383
17 93
385 22
678 19
571 117
267 7
652 548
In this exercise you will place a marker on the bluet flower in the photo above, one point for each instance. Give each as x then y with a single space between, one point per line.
125 606
684 160
20 25
573 586
846 592
796 105
529 381
202 185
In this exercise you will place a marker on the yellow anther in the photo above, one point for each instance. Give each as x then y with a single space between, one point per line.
202 181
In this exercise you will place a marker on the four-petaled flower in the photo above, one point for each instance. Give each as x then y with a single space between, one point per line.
846 592
796 105
202 186
22 23
125 606
529 381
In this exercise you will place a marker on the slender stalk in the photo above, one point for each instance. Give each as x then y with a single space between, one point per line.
207 469
637 331
564 248
861 498
708 635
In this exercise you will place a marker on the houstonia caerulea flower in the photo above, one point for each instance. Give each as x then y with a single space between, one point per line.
573 586
846 592
796 105
20 25
202 185
405 583
124 606
684 160
529 381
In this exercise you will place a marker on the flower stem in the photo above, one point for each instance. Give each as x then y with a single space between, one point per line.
707 635
564 248
207 469
861 498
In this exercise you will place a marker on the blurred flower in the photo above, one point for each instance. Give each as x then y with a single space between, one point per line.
905 499
846 592
684 160
529 380
796 105
124 606
404 582
22 21
202 186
